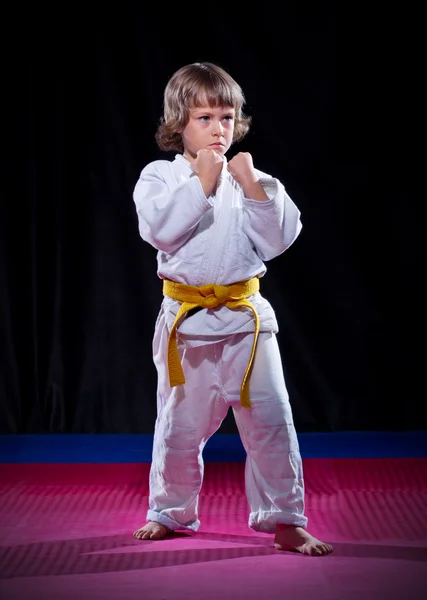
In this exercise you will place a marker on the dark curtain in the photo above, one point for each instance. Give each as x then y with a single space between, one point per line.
79 293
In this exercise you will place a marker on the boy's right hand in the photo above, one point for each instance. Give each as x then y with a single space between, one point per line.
208 166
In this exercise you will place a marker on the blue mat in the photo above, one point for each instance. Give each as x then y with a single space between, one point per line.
135 448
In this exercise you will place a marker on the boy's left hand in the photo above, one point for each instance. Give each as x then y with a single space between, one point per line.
242 170
241 167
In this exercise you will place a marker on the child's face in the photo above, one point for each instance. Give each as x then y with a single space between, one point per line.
208 127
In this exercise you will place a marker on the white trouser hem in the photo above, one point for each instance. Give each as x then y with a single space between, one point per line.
170 523
266 522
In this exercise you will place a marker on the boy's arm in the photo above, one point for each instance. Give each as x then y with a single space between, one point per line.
167 217
273 224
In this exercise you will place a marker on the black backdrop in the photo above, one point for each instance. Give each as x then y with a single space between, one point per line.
79 292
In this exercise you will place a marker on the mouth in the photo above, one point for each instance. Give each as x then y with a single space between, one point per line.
216 145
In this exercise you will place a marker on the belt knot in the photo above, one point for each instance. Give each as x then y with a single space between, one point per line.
220 293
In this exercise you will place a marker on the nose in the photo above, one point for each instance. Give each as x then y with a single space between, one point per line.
218 129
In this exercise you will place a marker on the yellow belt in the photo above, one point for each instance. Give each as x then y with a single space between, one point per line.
210 296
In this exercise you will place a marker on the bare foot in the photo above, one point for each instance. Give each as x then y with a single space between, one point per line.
152 531
297 539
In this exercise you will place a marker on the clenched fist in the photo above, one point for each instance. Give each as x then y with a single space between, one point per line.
208 166
241 167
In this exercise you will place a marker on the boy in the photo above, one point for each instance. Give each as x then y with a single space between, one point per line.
214 223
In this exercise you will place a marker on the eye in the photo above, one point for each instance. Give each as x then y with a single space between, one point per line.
228 117
205 119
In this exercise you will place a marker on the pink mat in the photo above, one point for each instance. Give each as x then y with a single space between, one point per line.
66 533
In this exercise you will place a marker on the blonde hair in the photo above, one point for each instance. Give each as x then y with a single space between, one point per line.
190 87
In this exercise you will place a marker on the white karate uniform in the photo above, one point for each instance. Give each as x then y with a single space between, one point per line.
219 240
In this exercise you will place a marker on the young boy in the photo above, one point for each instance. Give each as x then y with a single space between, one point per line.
214 223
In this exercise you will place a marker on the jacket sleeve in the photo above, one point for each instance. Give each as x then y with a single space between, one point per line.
168 213
271 225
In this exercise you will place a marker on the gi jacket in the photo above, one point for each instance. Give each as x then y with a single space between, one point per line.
221 239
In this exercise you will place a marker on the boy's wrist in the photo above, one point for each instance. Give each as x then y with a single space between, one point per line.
254 190
208 184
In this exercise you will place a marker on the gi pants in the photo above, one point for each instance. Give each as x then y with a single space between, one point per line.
188 415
